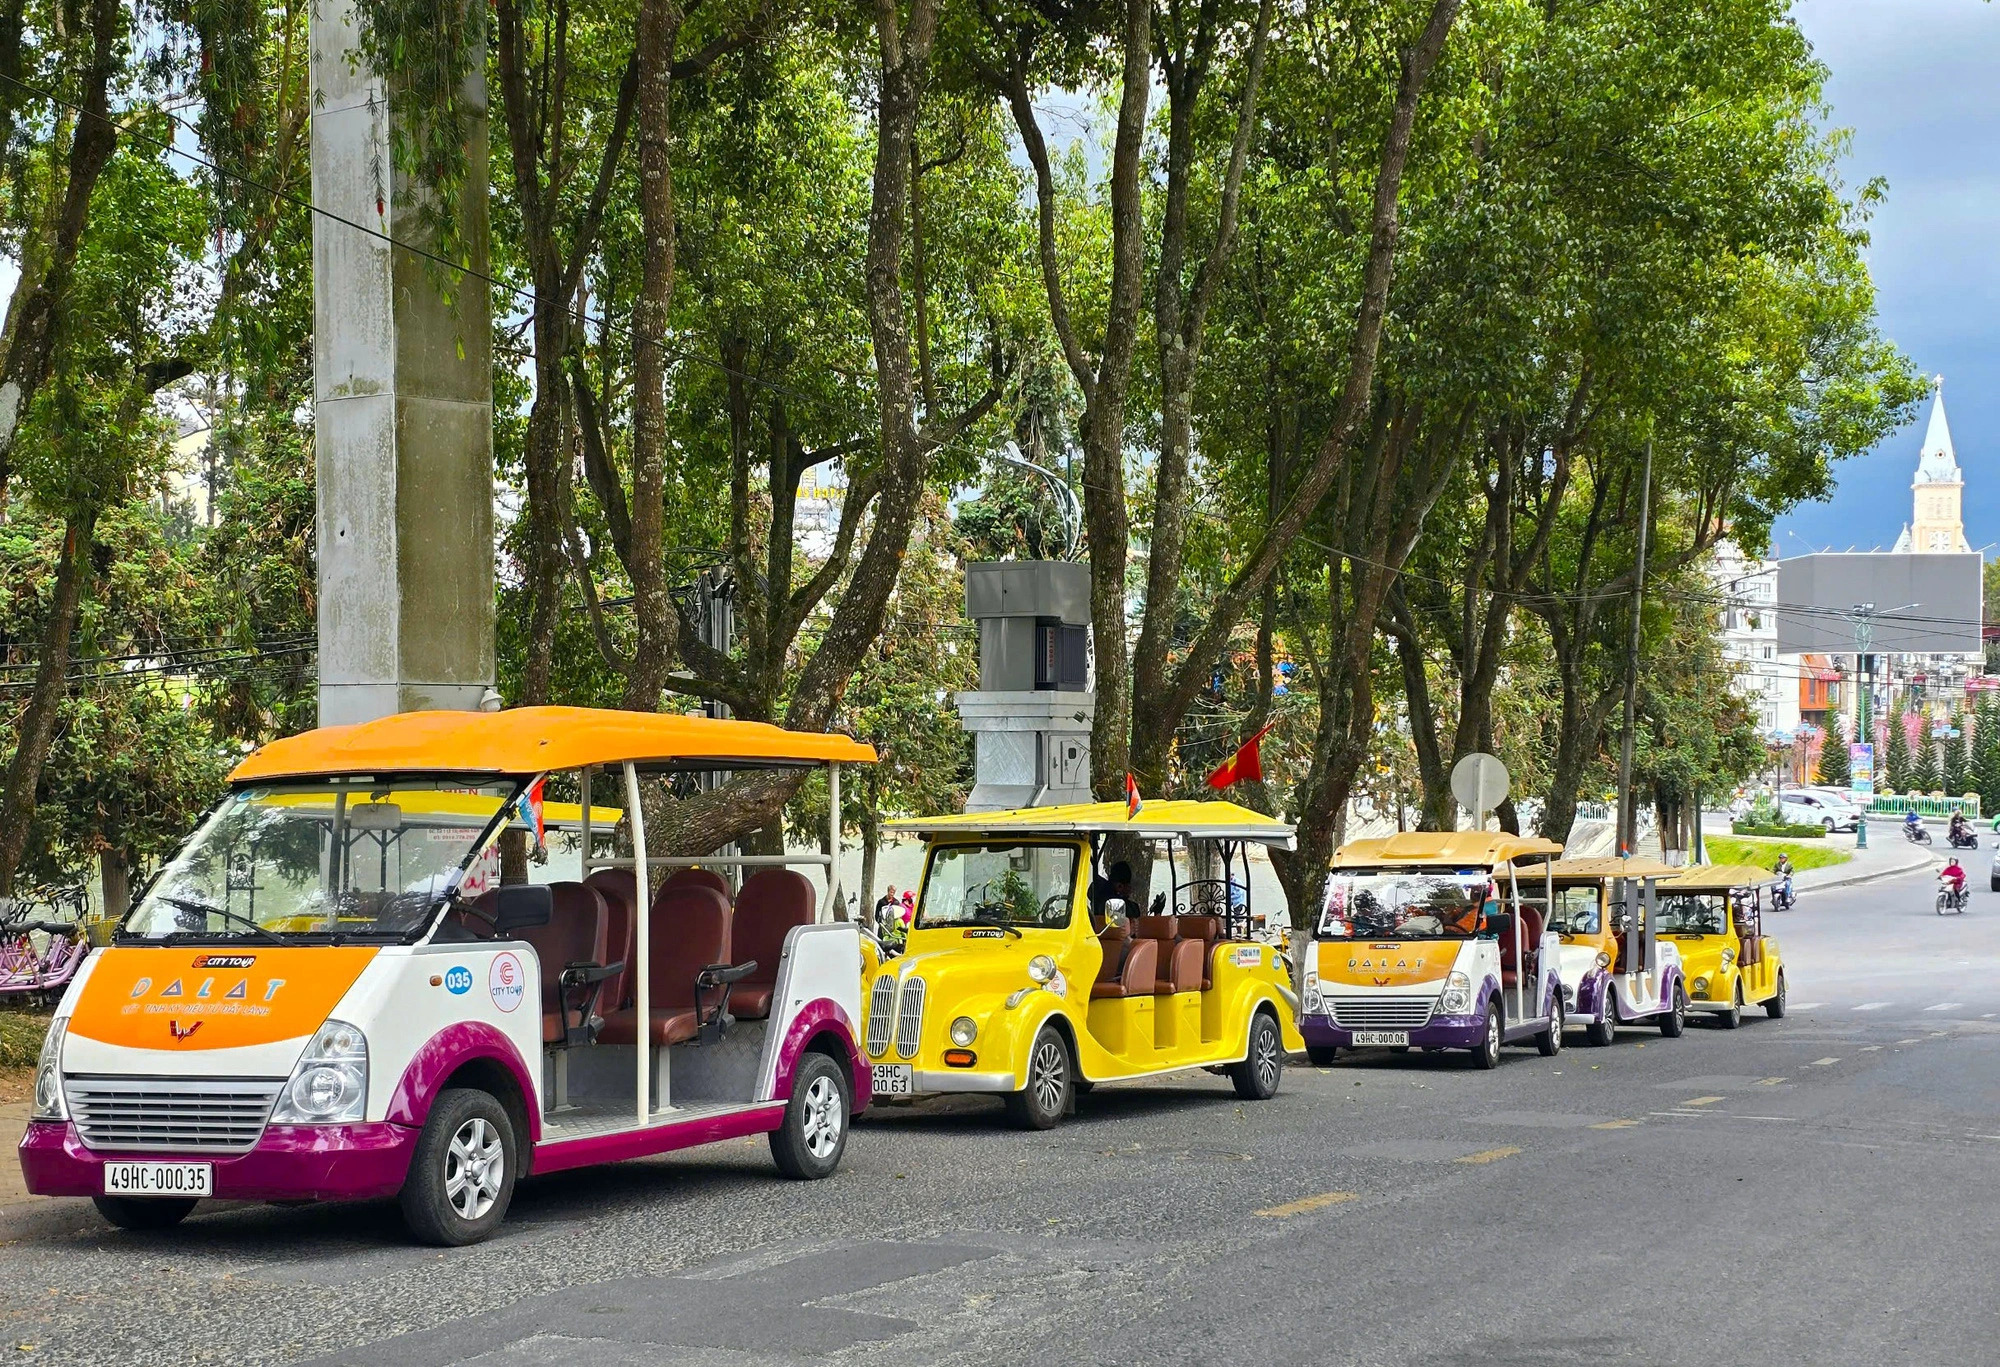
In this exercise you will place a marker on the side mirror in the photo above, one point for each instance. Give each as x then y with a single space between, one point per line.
520 905
1500 924
1115 910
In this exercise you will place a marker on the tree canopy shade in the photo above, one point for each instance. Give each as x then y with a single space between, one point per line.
1348 325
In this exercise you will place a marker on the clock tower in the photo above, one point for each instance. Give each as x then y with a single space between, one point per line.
1935 525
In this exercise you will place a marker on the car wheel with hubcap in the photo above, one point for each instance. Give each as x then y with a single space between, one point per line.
1321 1055
1733 1017
144 1212
1604 1029
1676 1018
1775 1007
1256 1077
1042 1102
1550 1041
809 1144
1486 1054
462 1173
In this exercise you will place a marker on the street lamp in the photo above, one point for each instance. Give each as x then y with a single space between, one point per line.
1863 618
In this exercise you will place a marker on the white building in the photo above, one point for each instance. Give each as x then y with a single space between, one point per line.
1749 593
1936 522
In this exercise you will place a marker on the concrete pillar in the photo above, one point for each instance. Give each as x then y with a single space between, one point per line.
1030 716
403 411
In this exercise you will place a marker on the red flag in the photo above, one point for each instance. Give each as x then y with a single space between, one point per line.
1247 762
1134 804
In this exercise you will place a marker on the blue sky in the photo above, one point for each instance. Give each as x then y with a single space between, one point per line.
1918 83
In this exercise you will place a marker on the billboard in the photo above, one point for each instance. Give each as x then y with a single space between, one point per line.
1924 604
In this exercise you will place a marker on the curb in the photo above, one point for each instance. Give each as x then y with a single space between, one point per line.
1857 879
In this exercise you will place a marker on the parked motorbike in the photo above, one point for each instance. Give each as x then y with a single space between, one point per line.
1950 898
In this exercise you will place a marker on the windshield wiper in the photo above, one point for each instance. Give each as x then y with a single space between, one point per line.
995 923
204 909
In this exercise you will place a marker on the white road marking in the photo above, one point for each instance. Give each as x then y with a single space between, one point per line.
1807 1006
1823 1062
1873 1006
1871 1048
1946 1006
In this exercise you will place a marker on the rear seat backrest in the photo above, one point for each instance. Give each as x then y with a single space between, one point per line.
1112 940
771 903
698 878
1208 930
690 931
1141 963
618 888
575 934
1182 970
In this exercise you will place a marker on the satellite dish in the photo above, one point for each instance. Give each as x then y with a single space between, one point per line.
1479 782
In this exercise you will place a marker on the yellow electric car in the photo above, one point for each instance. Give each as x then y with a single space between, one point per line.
1713 915
1030 973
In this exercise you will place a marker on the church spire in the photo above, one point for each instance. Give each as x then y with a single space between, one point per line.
1939 462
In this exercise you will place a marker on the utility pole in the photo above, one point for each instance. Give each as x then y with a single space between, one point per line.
1864 726
1628 833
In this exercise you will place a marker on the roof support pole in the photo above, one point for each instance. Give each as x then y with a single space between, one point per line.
642 948
830 911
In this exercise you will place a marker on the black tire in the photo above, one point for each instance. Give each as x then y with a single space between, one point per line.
466 1132
1045 1098
1733 1017
144 1212
1604 1029
1486 1054
1676 1019
1257 1076
1322 1055
1775 1007
1549 1042
809 1144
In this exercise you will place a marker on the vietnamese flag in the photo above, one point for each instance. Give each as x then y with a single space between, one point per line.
1134 804
1247 762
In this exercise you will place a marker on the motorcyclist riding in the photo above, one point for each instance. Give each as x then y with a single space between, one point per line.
1783 871
1913 828
1955 876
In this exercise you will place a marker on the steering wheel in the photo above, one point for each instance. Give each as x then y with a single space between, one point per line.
1055 909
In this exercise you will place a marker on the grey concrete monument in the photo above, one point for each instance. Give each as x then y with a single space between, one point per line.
403 411
1030 717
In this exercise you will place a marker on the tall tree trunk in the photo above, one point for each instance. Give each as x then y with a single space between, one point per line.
36 310
38 722
652 601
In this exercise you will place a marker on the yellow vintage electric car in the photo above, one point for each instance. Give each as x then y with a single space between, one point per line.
1030 973
1713 915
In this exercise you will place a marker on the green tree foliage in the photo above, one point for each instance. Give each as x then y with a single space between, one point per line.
1954 760
1984 767
1834 770
1898 773
1925 774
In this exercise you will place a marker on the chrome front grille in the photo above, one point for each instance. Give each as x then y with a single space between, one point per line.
910 1017
881 1013
1382 1013
171 1115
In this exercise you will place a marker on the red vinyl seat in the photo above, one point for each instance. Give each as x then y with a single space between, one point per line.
689 930
579 922
619 889
771 903
696 878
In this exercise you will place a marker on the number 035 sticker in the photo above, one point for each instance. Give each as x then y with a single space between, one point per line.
506 981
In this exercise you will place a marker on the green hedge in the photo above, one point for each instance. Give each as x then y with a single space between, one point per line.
1780 830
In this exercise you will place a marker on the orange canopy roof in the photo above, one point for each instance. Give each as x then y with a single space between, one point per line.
532 740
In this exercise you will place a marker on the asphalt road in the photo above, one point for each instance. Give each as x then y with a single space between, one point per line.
1818 1189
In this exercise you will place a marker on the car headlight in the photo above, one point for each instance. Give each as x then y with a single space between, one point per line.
1041 968
48 1077
330 1085
1603 959
1701 986
964 1031
1456 999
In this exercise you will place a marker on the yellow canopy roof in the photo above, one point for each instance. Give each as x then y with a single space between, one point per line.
1462 848
1155 821
1611 867
533 740
1718 878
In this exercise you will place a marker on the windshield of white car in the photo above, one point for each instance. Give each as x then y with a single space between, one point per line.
1577 911
1003 884
361 860
1404 904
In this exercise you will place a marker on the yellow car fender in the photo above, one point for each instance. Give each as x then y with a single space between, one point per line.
1018 1025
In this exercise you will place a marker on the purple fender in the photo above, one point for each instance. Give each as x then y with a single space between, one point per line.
444 1054
822 1017
1592 994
